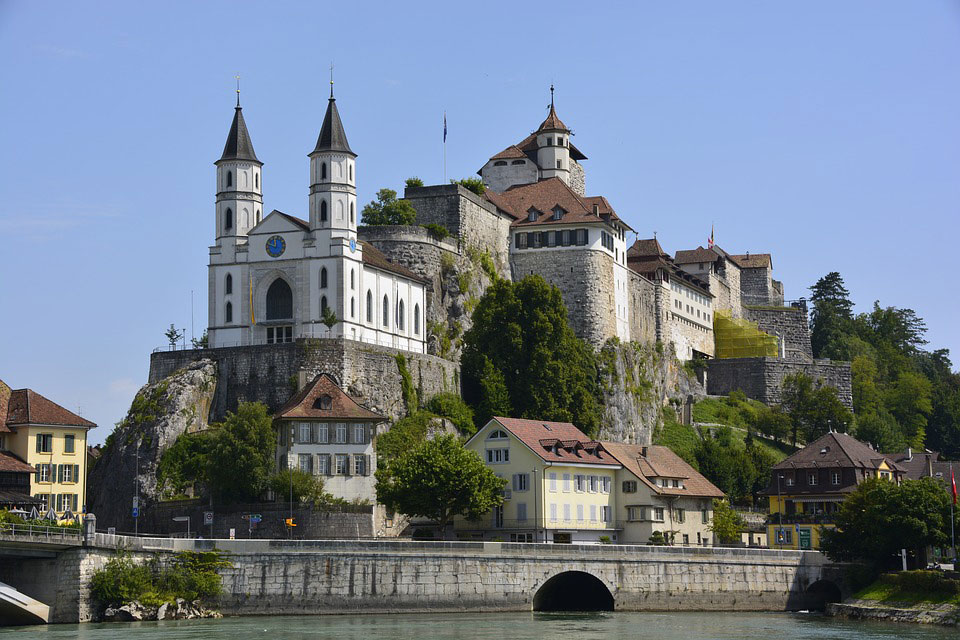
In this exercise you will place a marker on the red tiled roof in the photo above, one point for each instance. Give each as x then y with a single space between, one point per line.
753 261
10 462
376 259
661 462
646 247
696 255
26 406
307 403
547 194
511 152
4 401
552 123
836 450
542 435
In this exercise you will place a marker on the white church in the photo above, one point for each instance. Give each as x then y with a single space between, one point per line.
276 278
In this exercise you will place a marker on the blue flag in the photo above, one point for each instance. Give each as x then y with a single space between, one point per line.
444 126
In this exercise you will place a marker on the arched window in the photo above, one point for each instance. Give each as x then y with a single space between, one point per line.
279 301
369 306
351 280
353 307
352 214
323 211
256 180
416 319
228 284
323 304
498 435
258 216
400 315
323 277
228 219
323 171
500 163
351 172
386 311
229 178
228 313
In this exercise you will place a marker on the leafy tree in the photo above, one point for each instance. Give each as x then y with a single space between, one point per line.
726 465
880 518
202 342
452 407
943 429
306 487
241 456
439 479
329 318
404 435
879 429
521 358
772 421
184 464
831 315
762 460
173 335
813 411
414 182
908 400
866 394
387 209
473 184
727 523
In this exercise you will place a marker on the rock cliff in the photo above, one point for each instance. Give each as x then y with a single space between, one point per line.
638 382
159 413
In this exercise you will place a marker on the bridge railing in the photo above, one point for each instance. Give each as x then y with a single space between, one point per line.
42 533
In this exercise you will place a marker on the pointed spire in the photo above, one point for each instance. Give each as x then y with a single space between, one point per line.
552 123
332 136
238 146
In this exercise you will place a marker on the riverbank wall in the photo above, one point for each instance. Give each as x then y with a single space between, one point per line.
290 577
946 615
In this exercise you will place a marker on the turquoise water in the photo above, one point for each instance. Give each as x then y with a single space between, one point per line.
497 626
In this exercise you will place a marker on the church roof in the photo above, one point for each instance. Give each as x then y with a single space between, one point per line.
332 136
375 258
300 222
239 146
546 195
322 398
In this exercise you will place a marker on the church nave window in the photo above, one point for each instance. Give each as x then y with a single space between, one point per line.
351 279
353 218
323 170
279 301
258 216
416 319
228 284
228 219
256 181
386 311
228 313
351 172
400 315
323 277
229 178
353 307
323 211
369 306
323 304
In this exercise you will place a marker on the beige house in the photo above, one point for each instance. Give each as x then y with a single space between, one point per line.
658 491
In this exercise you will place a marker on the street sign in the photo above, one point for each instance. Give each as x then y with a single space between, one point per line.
136 502
136 512
255 518
207 517
233 534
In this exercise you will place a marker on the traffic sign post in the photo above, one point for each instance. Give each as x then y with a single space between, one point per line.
208 520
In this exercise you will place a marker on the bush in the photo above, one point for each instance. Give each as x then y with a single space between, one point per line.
657 539
921 582
453 408
306 487
188 575
414 182
121 581
438 231
473 184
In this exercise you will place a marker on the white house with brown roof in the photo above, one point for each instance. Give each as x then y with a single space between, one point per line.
323 431
276 278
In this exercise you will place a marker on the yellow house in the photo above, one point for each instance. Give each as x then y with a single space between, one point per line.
561 485
807 488
50 439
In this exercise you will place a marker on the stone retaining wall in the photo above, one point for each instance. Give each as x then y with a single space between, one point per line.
948 615
762 378
790 324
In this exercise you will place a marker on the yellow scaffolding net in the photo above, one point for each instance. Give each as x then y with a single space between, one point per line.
737 338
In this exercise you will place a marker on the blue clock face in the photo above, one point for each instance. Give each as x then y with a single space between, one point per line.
276 246
353 245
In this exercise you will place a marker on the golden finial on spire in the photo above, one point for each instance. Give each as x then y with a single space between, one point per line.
331 79
238 89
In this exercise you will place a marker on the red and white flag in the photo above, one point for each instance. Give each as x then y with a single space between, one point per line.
710 241
953 485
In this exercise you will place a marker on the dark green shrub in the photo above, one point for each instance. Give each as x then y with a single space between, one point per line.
452 407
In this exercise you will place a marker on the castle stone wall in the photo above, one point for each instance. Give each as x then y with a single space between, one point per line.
470 218
687 336
643 308
790 324
585 279
413 247
762 378
578 178
756 287
269 373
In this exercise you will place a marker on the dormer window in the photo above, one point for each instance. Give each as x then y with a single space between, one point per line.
532 215
558 213
500 163
324 403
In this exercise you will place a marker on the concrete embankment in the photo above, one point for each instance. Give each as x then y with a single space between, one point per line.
947 615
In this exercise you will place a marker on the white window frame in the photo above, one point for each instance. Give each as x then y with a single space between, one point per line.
360 433
341 464
566 483
341 433
498 456
553 481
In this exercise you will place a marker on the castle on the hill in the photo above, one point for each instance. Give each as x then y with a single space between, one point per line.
380 290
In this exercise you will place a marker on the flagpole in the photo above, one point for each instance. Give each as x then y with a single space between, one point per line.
953 502
444 147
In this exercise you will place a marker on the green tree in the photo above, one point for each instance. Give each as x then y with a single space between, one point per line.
439 479
387 209
404 435
521 358
831 315
813 411
726 523
184 465
305 487
241 456
329 318
726 465
908 400
772 421
473 184
413 182
173 335
879 429
202 342
452 407
879 518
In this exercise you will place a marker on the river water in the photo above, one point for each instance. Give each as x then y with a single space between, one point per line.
497 626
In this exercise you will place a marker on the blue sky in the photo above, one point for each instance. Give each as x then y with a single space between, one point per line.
825 133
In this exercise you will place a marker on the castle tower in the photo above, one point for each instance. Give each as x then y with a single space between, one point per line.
333 187
239 187
553 147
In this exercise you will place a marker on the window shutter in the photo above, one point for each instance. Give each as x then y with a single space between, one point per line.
516 482
76 473
59 468
39 440
37 474
366 464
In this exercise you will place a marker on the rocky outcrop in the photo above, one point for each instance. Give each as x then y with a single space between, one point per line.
178 610
638 382
160 412
456 289
943 614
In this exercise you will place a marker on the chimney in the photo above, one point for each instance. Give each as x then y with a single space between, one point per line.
596 210
930 465
643 451
909 454
302 379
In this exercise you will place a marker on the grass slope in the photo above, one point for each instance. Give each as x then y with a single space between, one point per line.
912 588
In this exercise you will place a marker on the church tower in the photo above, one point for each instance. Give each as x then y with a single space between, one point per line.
333 187
239 188
553 147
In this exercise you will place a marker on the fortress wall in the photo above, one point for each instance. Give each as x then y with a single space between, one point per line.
269 373
762 378
790 324
585 279
643 308
413 247
756 286
578 178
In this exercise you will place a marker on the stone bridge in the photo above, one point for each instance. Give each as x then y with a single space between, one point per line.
281 577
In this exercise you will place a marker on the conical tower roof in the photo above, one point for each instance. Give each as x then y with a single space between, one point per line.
552 123
239 146
332 136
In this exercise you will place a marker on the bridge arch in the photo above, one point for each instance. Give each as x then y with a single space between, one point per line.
573 591
823 591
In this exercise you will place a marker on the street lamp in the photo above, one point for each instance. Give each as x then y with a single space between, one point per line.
779 513
290 473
